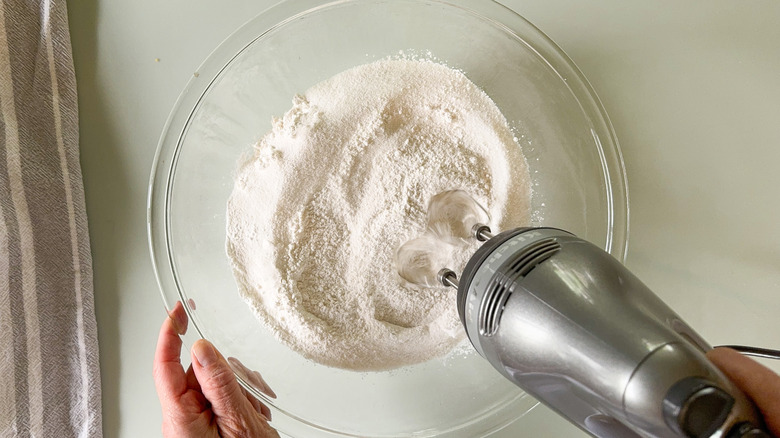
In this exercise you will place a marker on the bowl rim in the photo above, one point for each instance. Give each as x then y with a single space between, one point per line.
177 123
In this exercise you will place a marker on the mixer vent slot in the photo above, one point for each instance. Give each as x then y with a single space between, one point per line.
500 287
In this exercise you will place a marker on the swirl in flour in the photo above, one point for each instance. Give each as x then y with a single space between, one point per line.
341 181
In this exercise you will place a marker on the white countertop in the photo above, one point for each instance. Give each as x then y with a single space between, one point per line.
691 88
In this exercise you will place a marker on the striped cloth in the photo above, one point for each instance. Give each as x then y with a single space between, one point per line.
49 374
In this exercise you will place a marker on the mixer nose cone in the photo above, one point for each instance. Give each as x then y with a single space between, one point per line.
696 408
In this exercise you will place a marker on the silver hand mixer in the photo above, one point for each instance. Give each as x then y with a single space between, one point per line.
570 325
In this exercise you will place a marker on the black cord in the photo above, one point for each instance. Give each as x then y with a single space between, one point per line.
754 351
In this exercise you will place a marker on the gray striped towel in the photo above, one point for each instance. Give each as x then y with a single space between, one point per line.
49 374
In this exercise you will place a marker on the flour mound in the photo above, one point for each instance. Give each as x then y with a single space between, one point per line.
341 181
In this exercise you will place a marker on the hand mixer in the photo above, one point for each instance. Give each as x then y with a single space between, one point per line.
570 325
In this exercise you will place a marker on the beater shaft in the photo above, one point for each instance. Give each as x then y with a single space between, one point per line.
482 232
448 278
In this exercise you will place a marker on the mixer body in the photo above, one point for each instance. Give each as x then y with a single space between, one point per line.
573 327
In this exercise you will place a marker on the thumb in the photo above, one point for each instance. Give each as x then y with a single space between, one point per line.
218 383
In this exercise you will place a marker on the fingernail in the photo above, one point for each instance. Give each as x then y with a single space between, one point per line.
204 353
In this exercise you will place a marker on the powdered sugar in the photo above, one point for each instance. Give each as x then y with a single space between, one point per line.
344 177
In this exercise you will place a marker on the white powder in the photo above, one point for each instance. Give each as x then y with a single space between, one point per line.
342 180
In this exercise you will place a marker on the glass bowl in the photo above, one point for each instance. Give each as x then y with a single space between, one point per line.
573 156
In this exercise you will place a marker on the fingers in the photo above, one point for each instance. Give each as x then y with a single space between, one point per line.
265 411
192 381
262 383
235 413
254 379
169 376
251 377
260 408
178 318
208 383
217 381
757 381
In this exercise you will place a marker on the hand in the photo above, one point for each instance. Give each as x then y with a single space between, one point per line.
206 400
755 380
